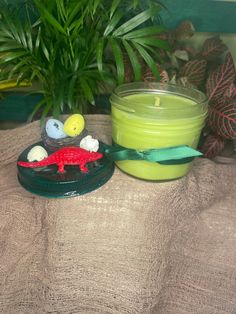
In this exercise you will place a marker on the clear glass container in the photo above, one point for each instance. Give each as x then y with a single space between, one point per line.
156 115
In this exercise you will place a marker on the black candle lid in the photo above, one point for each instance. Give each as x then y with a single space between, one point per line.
48 182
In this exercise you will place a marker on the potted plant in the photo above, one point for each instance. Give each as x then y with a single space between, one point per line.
77 49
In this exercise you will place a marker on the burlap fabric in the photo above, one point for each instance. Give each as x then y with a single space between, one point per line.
129 247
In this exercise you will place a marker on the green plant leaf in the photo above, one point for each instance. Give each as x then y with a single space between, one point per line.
48 107
5 32
117 52
99 54
144 32
36 108
113 23
61 10
45 49
58 101
158 43
148 59
95 5
19 34
71 92
29 40
74 10
87 90
114 6
12 27
76 25
11 56
77 47
134 61
9 46
136 21
49 17
17 68
37 41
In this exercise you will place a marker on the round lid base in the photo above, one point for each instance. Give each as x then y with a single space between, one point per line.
48 182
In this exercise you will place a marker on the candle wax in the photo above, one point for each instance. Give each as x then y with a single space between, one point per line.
148 120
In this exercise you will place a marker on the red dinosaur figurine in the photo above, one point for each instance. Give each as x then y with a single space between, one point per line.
66 156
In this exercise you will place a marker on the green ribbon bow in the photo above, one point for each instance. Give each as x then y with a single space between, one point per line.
167 156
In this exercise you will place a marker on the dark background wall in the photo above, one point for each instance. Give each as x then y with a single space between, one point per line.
206 15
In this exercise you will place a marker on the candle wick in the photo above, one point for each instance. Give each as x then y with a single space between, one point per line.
157 102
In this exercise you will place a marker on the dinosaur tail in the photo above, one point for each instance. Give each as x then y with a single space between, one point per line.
31 164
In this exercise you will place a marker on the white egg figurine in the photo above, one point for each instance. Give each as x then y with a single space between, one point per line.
89 143
37 153
54 129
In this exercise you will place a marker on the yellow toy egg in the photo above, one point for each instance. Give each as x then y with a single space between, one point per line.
74 125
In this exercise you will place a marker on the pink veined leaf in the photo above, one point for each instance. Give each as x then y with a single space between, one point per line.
230 92
213 47
222 119
212 146
221 78
149 77
164 76
195 71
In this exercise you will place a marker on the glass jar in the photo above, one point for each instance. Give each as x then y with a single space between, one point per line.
156 115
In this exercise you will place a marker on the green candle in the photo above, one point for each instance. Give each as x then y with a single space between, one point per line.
156 116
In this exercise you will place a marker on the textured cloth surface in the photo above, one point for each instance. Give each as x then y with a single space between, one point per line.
129 247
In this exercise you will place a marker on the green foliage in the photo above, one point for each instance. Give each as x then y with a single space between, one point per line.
76 48
210 69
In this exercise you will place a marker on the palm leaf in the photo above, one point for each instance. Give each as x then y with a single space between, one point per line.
99 54
96 5
147 42
71 92
148 59
147 31
74 46
73 10
113 23
133 60
11 56
87 90
114 6
29 39
118 55
49 17
136 21
61 10
36 109
9 46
